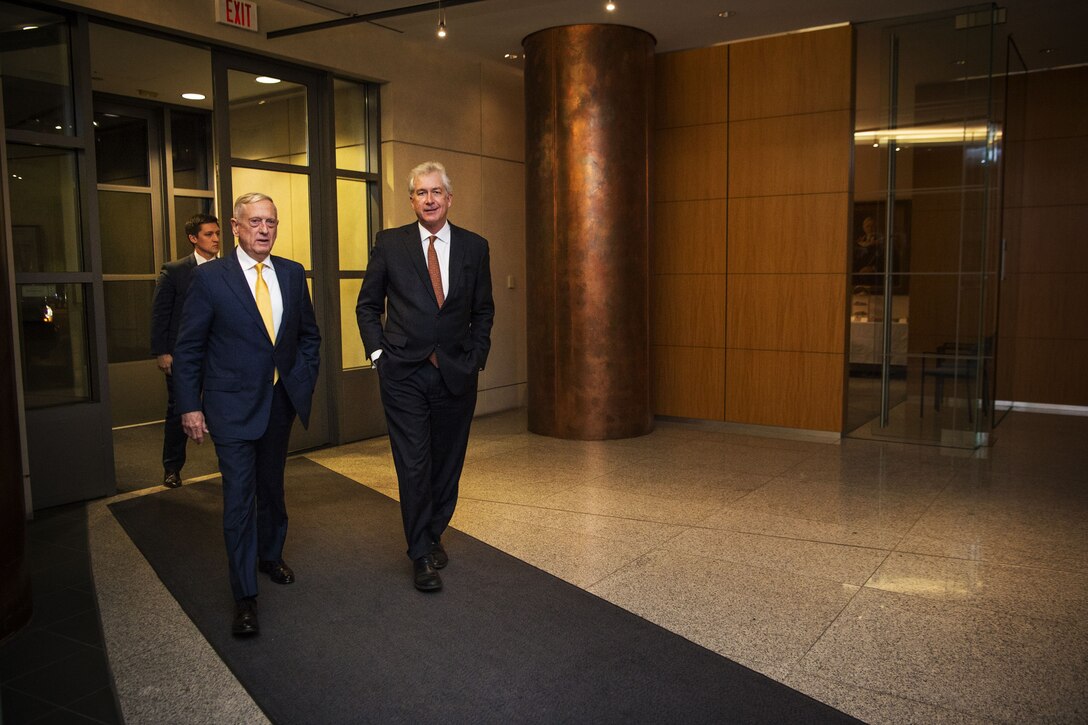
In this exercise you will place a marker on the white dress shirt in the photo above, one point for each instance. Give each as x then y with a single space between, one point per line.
268 274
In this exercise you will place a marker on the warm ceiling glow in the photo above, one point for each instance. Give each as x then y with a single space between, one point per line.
442 30
927 135
193 96
267 79
610 6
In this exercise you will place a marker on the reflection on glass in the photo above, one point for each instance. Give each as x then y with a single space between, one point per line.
352 353
352 224
267 122
128 320
53 332
45 209
349 101
128 244
121 150
291 194
35 71
186 207
191 146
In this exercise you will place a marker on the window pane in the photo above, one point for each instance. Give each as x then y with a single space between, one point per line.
352 225
190 135
291 194
45 209
53 330
35 70
128 244
352 353
121 149
184 208
128 320
351 130
267 120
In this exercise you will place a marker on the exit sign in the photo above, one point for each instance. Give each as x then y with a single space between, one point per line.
237 13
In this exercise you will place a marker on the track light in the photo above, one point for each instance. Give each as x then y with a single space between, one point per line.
441 21
610 6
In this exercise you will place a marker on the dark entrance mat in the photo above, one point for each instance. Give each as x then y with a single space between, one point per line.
352 641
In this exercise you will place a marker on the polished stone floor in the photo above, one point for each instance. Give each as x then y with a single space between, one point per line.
899 583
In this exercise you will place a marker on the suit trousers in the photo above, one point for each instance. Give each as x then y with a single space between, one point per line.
173 435
428 432
254 509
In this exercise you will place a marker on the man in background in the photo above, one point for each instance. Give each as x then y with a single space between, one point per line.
245 365
203 233
433 281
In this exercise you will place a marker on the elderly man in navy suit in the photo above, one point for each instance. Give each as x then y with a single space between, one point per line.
245 365
173 283
433 281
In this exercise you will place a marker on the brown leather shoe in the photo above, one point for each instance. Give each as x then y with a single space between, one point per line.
278 571
245 618
171 479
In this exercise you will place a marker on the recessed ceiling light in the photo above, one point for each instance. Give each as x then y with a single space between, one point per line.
1047 51
193 96
726 14
30 27
511 56
610 6
267 79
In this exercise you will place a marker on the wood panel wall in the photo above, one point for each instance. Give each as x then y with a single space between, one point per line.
752 182
1043 350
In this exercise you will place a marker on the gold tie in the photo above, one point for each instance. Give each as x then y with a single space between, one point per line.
264 306
436 282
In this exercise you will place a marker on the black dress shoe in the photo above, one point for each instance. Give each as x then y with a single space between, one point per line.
438 556
278 571
171 479
426 577
245 618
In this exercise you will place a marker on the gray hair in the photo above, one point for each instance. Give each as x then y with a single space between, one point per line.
429 167
251 198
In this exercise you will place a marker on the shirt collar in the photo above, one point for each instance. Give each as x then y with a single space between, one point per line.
199 259
249 262
443 233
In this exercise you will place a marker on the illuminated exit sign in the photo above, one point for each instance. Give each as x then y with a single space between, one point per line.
237 13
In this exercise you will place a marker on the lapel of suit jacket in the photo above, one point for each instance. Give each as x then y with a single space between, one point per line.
456 261
236 280
283 279
413 245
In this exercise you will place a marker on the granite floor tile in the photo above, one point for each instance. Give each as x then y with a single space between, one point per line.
83 674
993 665
994 549
850 533
32 649
1030 591
638 506
683 481
738 611
834 562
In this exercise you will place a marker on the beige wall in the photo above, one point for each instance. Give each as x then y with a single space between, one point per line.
435 105
753 159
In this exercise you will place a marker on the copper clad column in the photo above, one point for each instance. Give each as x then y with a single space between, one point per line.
588 96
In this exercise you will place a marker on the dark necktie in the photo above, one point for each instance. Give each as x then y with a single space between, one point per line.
436 282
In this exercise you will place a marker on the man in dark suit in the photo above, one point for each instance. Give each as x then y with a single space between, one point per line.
435 280
203 233
245 364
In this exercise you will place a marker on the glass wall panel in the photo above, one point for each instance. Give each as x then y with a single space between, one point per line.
349 102
185 207
128 242
35 72
45 210
291 194
190 136
121 146
352 353
53 332
268 119
128 320
352 224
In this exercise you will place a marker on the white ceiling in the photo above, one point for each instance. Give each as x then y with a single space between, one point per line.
492 28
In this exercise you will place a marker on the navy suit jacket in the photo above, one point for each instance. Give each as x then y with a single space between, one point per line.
166 306
397 283
224 360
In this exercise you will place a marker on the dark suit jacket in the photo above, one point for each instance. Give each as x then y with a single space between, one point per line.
397 282
224 351
166 306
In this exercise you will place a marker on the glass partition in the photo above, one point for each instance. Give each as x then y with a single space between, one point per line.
923 246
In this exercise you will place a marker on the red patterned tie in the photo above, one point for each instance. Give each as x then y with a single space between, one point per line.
436 282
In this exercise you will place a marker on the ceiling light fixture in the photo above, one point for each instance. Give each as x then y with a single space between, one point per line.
193 96
441 20
267 80
726 14
30 27
610 6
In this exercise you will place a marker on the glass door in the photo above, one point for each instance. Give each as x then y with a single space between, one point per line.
923 249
